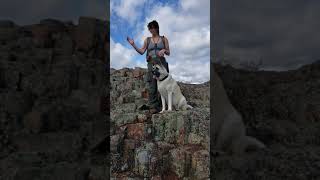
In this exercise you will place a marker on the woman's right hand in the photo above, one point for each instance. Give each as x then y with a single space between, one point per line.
130 41
161 53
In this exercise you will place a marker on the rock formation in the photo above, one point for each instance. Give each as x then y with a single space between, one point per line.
173 145
53 95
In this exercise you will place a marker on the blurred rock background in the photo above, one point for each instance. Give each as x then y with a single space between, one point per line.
53 100
282 109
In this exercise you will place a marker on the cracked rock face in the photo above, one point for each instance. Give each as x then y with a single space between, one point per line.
172 145
52 90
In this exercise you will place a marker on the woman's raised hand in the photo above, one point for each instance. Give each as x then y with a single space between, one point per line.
130 41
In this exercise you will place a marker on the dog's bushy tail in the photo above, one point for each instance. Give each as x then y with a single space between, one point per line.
253 143
247 143
189 107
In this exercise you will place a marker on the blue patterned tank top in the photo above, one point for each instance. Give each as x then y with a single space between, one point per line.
155 47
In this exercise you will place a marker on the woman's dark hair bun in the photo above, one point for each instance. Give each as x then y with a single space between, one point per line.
154 24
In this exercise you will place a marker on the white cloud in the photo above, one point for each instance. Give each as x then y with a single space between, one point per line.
188 32
122 57
192 72
127 9
201 7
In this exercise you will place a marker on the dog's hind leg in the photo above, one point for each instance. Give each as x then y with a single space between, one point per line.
182 104
169 101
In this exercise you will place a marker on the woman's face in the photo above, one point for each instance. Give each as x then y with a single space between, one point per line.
153 30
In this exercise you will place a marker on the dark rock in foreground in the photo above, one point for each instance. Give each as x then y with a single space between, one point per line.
52 100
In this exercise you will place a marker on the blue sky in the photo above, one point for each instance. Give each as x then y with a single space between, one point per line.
186 24
120 25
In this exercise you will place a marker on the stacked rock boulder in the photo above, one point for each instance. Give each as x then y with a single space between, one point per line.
53 83
173 145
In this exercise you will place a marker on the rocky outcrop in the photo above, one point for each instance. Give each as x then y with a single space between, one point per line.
173 145
282 110
53 100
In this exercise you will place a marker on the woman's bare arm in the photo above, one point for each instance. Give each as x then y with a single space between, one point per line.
167 49
141 50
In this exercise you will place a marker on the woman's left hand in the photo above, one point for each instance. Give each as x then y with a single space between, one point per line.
161 52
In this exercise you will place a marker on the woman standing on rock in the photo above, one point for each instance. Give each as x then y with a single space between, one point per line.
156 47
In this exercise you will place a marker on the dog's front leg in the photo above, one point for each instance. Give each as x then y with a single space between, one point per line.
169 101
163 100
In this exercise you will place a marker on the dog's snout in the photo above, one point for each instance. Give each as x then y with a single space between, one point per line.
156 72
155 68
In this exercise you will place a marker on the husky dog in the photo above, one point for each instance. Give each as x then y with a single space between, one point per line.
169 90
228 127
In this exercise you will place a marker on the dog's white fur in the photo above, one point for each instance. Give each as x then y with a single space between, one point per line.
229 128
170 92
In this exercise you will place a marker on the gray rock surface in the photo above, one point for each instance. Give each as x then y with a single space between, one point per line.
173 145
52 100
